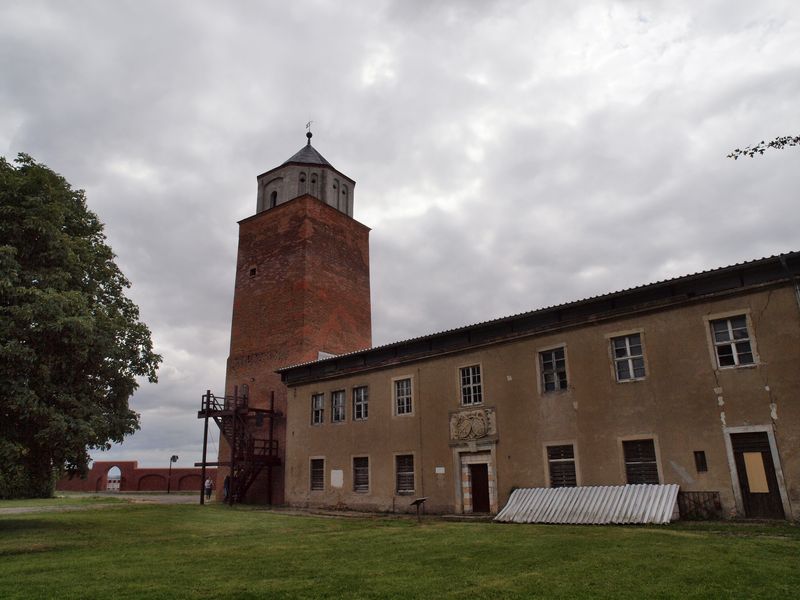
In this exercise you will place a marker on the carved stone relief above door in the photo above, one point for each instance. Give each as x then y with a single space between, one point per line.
473 424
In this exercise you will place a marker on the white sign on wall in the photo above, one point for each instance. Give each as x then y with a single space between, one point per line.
337 478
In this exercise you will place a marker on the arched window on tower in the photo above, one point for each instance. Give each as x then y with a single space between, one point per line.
314 184
273 199
335 201
345 199
301 189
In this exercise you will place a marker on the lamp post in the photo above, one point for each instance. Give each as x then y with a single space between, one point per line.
172 459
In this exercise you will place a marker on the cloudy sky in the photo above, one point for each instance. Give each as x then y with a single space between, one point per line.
508 155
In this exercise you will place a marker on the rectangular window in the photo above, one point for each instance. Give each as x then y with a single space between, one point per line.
640 461
700 462
561 460
471 385
553 364
361 474
404 473
628 357
732 342
337 406
360 403
317 474
402 397
317 409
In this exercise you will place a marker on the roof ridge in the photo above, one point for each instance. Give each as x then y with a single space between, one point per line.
544 308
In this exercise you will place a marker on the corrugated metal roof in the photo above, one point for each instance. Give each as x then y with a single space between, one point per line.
592 505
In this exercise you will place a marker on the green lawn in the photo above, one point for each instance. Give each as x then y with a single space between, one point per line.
159 551
60 499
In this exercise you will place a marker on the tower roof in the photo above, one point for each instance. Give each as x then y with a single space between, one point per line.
308 155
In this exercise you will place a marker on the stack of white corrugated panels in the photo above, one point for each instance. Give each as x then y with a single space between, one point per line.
592 505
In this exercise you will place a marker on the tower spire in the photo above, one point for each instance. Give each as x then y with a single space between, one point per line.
308 133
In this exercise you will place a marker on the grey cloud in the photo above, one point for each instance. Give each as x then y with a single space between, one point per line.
508 156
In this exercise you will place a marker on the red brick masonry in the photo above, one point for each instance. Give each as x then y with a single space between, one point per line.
134 479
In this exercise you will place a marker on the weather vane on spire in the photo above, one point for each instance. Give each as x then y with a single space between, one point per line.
308 134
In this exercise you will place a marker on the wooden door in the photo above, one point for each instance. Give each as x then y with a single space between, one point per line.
760 494
479 479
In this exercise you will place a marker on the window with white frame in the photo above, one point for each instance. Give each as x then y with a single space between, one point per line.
317 480
337 406
561 462
640 461
628 357
404 473
402 397
732 342
471 392
361 474
553 365
317 409
360 403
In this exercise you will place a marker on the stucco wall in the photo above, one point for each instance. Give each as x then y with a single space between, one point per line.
683 404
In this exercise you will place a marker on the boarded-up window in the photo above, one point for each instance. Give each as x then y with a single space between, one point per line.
361 474
640 461
404 469
561 460
317 474
756 474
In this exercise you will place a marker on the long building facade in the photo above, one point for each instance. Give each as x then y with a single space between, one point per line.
693 381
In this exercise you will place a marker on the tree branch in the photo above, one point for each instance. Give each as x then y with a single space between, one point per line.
779 143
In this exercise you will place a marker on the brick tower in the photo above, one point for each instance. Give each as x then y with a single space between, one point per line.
302 288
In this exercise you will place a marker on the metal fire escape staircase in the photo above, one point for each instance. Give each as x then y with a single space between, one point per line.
251 449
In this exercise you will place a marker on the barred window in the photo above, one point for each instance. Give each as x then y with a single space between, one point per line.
732 342
402 397
317 474
361 474
337 406
360 403
317 409
471 385
628 357
561 460
553 365
404 473
640 461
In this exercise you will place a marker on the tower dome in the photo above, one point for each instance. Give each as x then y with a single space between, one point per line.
305 172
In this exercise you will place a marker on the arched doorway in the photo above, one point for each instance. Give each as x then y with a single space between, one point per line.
113 479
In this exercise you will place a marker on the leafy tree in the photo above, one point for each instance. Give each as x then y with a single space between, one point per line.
71 343
779 143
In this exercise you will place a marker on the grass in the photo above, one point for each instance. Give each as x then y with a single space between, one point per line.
60 499
160 551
